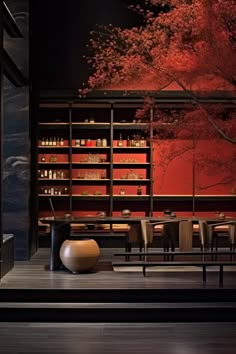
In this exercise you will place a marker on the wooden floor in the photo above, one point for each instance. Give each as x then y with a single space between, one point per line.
53 325
35 274
121 338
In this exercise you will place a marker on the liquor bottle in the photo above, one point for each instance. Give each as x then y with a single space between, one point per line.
139 190
62 142
54 142
120 141
43 142
128 141
50 141
50 174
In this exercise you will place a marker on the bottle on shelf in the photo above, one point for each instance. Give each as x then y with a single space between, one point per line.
104 142
43 158
54 142
120 141
122 191
82 142
128 141
88 142
139 190
46 142
99 142
43 142
50 174
61 142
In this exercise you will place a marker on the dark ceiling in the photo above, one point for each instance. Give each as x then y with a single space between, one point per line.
60 32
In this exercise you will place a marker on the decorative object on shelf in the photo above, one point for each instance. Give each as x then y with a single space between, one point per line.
128 141
167 212
82 142
101 214
77 142
126 213
79 255
43 158
104 142
122 191
120 141
98 142
97 193
221 215
139 190
88 142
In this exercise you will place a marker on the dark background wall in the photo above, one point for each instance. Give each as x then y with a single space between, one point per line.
16 139
60 33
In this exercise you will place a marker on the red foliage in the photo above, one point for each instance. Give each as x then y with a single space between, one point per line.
188 43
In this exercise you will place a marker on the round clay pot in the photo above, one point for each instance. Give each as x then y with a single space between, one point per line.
79 255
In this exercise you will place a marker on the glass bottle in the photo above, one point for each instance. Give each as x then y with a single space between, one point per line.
43 158
120 141
139 190
128 141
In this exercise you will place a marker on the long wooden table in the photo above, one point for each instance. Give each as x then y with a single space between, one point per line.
60 229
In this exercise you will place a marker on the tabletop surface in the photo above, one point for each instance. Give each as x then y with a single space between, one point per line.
128 220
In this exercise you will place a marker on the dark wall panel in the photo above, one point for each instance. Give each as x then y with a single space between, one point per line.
16 142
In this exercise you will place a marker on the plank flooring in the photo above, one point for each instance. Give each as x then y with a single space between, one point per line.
125 338
35 274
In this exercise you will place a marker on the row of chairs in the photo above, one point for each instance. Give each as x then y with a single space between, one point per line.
173 229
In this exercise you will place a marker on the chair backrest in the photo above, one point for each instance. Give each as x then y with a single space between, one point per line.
204 234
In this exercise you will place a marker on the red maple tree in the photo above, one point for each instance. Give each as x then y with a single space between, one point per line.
183 44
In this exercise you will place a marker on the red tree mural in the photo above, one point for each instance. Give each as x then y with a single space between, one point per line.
187 45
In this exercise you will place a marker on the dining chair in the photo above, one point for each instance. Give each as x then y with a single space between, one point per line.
229 230
170 233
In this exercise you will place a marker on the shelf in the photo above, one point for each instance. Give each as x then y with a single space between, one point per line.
54 195
124 181
136 164
131 197
92 147
130 148
53 179
54 124
53 147
129 126
90 197
104 127
87 164
91 126
53 163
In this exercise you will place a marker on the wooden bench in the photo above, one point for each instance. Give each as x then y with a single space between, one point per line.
203 262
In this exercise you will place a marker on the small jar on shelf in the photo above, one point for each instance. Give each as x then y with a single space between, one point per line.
122 191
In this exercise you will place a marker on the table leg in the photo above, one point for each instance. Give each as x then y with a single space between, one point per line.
59 233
